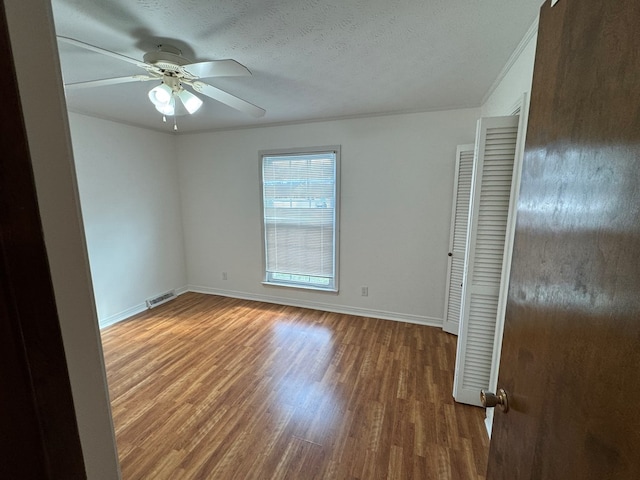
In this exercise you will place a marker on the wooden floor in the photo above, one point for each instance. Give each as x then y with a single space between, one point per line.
207 387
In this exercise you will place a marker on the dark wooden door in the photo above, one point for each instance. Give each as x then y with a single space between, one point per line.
571 349
38 430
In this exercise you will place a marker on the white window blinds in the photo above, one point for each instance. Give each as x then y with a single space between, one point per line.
300 206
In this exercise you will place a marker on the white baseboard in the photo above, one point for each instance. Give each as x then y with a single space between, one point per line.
130 312
326 307
181 290
118 317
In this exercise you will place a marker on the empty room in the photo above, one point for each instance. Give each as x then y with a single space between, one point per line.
320 239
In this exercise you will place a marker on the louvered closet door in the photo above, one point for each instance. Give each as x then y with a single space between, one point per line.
496 140
458 237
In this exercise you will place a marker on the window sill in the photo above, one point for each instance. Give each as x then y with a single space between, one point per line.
301 287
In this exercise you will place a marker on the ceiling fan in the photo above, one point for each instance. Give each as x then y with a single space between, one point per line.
175 72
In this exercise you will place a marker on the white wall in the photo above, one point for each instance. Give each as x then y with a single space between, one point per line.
515 78
397 177
131 201
128 183
31 32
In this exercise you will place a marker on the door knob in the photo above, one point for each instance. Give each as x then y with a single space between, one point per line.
490 399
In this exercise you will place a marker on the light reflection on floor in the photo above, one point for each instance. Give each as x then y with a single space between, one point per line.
299 368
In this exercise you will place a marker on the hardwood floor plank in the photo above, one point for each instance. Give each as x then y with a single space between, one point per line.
207 387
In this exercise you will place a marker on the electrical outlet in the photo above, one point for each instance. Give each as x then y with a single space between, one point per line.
224 275
365 291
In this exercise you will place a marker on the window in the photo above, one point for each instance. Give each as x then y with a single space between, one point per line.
300 191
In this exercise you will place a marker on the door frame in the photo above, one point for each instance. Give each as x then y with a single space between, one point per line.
40 432
32 41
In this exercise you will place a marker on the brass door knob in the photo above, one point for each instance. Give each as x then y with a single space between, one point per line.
490 399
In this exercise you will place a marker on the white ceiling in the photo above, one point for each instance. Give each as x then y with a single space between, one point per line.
310 59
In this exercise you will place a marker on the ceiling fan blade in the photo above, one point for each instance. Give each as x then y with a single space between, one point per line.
216 68
109 81
108 53
228 99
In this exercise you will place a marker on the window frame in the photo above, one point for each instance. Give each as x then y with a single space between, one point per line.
335 149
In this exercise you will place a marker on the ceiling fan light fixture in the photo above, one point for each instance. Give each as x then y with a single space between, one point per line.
168 66
167 108
161 95
190 101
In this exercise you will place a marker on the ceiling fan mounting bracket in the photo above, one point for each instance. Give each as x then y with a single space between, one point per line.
169 49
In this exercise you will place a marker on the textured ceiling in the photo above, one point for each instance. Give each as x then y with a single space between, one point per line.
310 59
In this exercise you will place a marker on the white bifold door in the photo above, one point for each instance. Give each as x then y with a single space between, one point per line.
484 269
458 237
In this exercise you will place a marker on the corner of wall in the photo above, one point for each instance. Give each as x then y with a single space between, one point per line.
515 77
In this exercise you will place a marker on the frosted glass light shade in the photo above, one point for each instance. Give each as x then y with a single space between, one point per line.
161 95
190 101
167 108
164 99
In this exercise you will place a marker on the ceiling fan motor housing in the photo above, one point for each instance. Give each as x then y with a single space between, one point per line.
166 58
